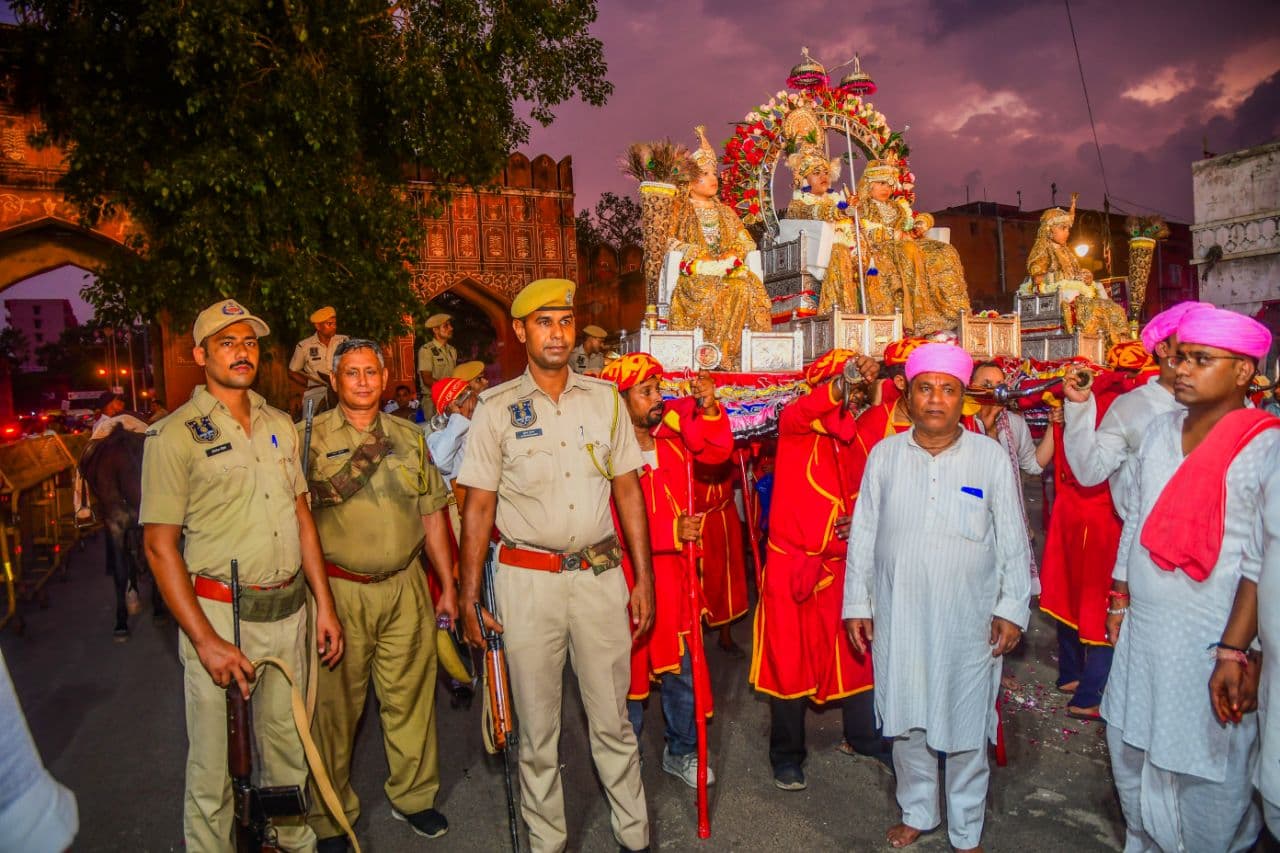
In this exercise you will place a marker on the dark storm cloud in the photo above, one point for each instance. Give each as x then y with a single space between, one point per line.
990 89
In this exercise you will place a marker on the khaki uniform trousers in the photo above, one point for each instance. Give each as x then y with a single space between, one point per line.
207 810
545 617
390 636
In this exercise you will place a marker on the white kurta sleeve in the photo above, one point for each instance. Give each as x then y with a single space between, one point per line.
1012 552
859 572
1024 444
1093 454
446 446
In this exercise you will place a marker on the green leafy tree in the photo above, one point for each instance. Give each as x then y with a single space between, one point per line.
13 347
261 145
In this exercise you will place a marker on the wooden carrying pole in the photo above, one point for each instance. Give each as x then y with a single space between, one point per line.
696 662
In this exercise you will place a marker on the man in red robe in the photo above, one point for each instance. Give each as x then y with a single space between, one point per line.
723 562
1080 550
669 432
801 652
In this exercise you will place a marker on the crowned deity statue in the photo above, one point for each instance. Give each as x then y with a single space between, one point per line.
906 270
812 173
1052 267
716 291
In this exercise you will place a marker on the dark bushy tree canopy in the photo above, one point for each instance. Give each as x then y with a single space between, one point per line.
260 145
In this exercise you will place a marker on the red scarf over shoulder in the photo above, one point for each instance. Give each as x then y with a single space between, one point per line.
1185 527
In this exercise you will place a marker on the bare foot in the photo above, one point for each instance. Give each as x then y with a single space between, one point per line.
1009 682
900 835
1069 687
1085 713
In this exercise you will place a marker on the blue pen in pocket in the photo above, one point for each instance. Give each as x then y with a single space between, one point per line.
971 490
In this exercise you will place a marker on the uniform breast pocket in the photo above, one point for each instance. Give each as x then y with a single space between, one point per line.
597 445
971 519
529 466
406 479
229 474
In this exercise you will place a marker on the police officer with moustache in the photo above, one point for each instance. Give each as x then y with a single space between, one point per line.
436 358
370 472
545 452
223 469
313 357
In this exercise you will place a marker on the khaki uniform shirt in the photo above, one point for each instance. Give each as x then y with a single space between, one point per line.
580 362
233 494
437 359
538 456
379 528
312 358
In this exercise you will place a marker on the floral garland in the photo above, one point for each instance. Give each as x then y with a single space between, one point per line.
759 139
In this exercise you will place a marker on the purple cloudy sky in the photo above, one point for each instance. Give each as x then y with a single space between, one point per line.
990 88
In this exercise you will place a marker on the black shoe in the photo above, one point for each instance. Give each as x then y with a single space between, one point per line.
789 777
336 844
622 849
429 822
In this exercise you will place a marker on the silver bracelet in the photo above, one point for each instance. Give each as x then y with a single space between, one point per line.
1116 611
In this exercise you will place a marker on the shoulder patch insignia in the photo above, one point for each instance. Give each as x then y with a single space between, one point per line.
203 429
522 414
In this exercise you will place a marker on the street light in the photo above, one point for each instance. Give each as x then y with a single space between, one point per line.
1082 249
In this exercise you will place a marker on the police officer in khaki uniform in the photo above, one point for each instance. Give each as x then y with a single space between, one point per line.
471 372
588 356
436 358
544 454
223 470
313 357
370 473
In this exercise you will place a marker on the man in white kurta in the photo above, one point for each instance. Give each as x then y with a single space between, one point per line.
938 557
1266 559
1105 452
1183 777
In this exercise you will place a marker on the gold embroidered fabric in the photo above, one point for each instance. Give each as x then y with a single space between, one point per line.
840 286
720 305
1051 267
924 278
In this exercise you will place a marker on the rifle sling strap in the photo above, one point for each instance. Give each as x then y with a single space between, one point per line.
318 774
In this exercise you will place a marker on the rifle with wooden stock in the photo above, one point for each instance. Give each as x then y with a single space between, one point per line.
499 721
254 806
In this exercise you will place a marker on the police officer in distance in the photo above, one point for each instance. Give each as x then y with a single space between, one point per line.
223 469
545 452
588 356
370 471
436 359
313 357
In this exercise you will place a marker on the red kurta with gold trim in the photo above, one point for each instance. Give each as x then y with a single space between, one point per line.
723 563
1080 547
801 649
666 498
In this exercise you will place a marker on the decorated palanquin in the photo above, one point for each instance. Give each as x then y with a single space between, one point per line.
1063 310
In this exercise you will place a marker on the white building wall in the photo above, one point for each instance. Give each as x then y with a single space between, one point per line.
1237 209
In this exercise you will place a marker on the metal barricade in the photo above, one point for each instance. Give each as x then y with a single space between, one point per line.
37 525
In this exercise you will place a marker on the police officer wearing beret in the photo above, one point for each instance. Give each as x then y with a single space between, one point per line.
313 357
223 471
436 359
545 453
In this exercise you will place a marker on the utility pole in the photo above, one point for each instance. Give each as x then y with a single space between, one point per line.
1019 199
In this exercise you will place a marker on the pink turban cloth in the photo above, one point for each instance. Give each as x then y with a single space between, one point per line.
1165 323
940 358
1228 330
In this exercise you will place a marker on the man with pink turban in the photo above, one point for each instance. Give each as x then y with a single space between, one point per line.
1184 775
936 584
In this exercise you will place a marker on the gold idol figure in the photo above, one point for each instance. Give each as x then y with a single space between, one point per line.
813 198
715 291
923 277
1052 267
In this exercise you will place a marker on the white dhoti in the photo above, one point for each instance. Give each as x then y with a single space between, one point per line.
968 773
1167 812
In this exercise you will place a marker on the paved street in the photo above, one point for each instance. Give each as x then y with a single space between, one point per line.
108 720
